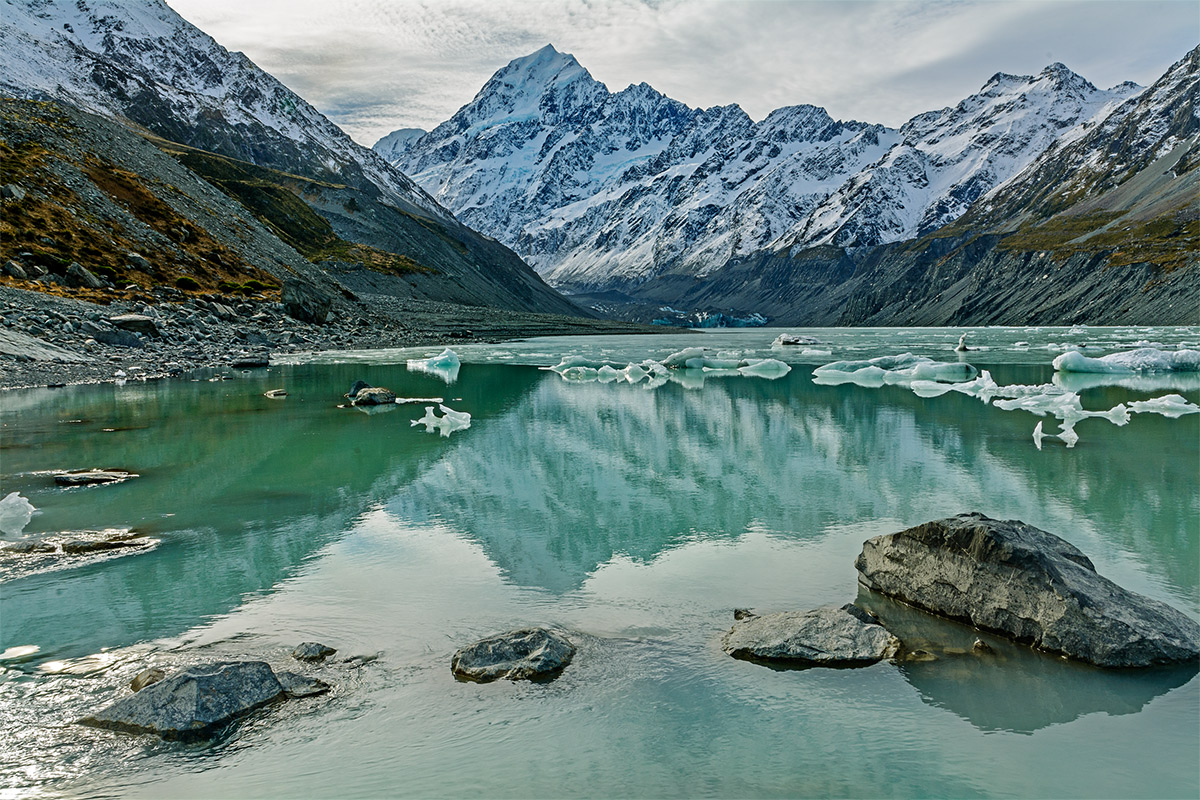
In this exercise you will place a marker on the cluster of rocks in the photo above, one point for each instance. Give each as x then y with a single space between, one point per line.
1005 577
198 701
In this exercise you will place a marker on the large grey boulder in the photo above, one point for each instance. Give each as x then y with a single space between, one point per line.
526 654
830 636
305 302
1028 585
136 323
93 477
363 394
193 703
78 275
312 651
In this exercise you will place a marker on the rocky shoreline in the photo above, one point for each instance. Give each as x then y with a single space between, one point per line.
48 340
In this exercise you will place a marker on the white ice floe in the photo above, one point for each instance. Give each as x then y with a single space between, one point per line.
444 365
768 368
1144 359
447 424
785 339
901 370
1169 405
15 513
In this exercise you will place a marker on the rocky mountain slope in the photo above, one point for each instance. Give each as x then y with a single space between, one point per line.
1103 227
600 189
137 60
603 190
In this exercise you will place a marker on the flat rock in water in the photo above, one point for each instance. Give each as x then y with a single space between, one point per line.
372 396
526 654
92 476
830 636
312 651
193 703
1028 585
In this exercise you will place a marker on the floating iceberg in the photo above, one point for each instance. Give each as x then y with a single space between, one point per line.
447 424
15 513
1144 359
900 370
768 368
444 365
1169 405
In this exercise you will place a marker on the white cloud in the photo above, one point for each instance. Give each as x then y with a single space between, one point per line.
373 66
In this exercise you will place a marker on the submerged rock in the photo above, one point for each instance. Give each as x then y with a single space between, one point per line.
526 654
312 651
195 702
829 636
76 547
93 476
297 685
1028 585
147 677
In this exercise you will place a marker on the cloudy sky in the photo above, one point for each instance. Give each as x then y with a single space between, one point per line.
377 65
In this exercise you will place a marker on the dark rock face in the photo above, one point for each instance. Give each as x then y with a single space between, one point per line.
305 302
526 654
77 547
312 651
824 637
28 547
193 703
1029 585
92 477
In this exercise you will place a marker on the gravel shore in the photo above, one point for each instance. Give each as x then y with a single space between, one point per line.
46 340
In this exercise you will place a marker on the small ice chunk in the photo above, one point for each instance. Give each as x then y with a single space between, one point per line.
1038 435
579 374
448 423
812 351
792 339
634 373
1169 405
680 359
607 374
769 368
444 365
1067 434
15 513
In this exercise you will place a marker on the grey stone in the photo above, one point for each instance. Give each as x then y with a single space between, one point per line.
193 703
11 191
251 361
109 335
305 302
15 270
147 677
312 651
526 654
93 476
28 548
139 262
136 323
373 396
297 685
78 547
1028 585
829 636
80 276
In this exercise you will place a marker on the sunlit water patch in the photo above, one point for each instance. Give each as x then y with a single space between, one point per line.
634 516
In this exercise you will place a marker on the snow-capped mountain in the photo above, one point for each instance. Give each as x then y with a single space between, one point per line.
140 60
602 190
946 160
594 187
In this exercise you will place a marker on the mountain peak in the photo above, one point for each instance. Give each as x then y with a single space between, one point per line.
1061 75
545 67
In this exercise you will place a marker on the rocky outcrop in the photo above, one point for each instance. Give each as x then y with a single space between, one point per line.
305 302
362 394
526 654
312 651
136 323
1029 585
830 636
193 703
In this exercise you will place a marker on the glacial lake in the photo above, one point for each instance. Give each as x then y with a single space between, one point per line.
635 517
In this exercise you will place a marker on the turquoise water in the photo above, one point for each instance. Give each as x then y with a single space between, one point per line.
634 518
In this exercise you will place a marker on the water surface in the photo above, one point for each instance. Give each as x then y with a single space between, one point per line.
634 518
